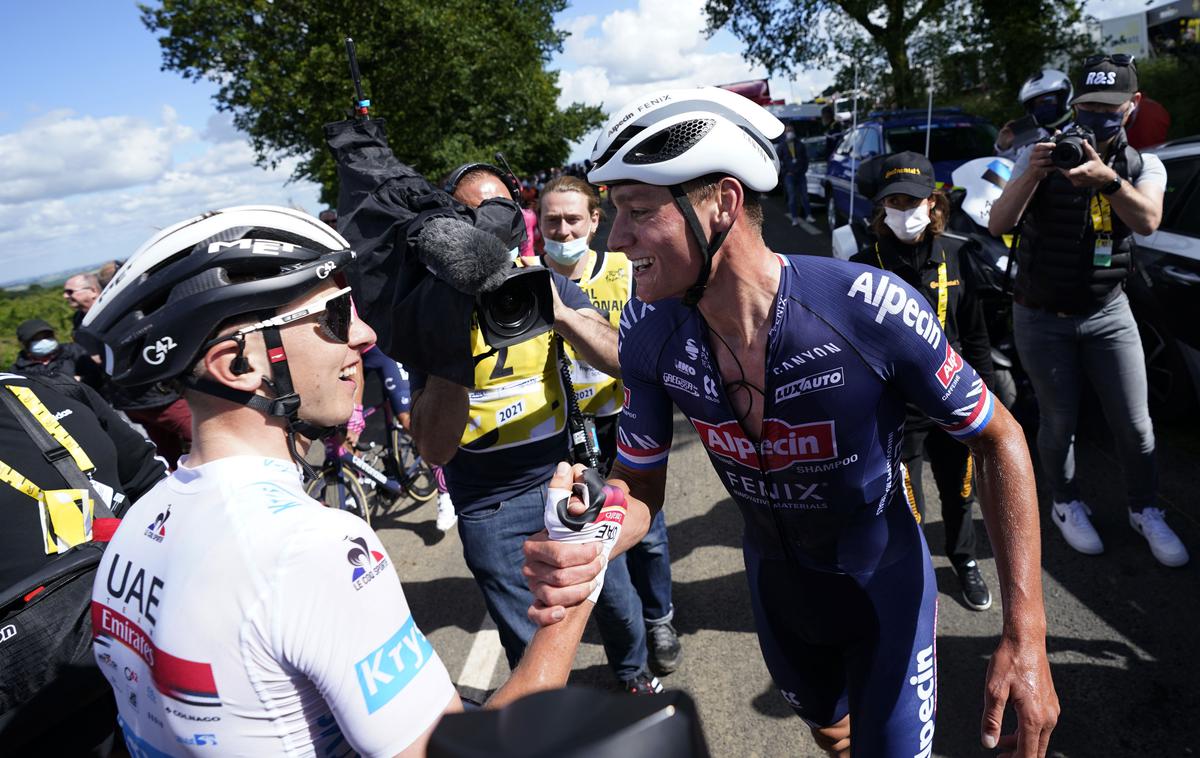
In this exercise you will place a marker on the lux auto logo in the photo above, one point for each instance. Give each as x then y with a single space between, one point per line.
782 444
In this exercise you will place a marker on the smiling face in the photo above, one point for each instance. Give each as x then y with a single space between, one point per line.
651 231
324 371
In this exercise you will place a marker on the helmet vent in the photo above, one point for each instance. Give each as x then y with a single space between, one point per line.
202 282
671 142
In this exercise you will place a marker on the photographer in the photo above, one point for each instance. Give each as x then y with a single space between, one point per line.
499 444
1078 199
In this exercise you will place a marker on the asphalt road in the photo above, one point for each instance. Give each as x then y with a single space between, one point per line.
1122 629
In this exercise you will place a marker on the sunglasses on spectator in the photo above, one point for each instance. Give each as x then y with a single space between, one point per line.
1117 59
69 292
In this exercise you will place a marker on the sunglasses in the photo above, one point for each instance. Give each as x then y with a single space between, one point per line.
68 292
334 316
1117 59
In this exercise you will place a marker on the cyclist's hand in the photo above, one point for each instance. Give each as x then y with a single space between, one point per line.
561 574
601 523
1020 675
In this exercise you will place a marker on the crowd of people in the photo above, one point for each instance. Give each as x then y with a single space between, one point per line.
229 600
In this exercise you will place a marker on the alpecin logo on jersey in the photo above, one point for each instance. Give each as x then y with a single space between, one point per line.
781 446
158 530
811 383
367 563
891 299
950 367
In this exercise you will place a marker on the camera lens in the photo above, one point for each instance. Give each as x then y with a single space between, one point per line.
1068 153
511 309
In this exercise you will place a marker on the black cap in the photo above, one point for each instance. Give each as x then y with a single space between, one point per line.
906 173
1106 82
32 328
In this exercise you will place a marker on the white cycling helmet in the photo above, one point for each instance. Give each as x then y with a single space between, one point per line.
1044 82
670 137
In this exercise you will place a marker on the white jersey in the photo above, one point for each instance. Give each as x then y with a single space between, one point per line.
235 615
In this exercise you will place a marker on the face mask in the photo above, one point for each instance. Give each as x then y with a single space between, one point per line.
1103 124
43 347
567 253
907 225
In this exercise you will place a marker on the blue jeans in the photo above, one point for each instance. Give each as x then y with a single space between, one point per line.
492 539
1060 353
796 187
650 570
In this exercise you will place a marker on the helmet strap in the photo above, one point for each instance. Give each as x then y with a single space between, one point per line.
708 248
285 404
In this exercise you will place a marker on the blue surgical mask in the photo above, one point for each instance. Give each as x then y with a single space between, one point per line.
567 253
1103 124
43 347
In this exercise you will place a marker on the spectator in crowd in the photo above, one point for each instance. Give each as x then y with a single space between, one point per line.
42 353
106 272
793 168
80 292
1071 317
1045 97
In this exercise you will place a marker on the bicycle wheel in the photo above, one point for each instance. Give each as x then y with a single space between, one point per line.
335 489
415 475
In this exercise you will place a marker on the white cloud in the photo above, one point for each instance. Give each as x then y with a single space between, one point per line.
59 154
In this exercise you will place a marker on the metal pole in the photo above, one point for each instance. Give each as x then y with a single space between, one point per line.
853 156
929 113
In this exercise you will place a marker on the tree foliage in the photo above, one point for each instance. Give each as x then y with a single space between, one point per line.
455 79
979 51
46 303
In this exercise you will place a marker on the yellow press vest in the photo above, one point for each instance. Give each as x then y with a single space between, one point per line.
518 396
608 283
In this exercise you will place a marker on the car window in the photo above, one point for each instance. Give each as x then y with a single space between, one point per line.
871 144
849 141
1180 173
815 149
947 142
1187 220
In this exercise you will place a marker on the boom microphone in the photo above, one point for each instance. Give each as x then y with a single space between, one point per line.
467 258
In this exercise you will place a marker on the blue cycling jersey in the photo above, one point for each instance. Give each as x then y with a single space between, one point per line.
848 346
822 491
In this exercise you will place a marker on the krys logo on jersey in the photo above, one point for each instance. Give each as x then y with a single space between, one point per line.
781 446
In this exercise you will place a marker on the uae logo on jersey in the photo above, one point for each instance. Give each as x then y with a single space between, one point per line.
950 367
781 446
158 530
367 563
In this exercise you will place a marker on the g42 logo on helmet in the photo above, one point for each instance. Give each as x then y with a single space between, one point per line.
325 269
157 353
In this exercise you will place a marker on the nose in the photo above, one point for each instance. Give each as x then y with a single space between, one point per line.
362 335
620 236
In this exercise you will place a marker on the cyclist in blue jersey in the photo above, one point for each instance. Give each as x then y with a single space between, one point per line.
795 372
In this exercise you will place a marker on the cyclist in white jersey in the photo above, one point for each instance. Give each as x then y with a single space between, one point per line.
233 614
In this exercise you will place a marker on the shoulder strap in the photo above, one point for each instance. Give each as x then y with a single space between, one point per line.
68 459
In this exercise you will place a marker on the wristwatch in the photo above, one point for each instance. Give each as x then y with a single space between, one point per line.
1112 186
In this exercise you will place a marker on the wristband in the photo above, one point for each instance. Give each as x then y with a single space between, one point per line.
605 528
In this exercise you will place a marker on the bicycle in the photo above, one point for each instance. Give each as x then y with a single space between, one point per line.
335 487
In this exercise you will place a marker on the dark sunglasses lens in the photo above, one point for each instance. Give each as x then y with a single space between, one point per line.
335 319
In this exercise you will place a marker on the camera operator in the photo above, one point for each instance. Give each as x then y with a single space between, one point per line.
1045 97
1078 199
499 444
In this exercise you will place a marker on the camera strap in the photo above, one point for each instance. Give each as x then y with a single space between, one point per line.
584 448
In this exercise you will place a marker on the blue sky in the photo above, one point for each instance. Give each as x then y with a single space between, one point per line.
99 148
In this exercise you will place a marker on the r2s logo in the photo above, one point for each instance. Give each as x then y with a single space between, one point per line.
1101 77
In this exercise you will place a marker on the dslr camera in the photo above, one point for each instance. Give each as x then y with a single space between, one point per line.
1068 149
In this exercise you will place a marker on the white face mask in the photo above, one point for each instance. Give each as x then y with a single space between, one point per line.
566 253
43 347
907 225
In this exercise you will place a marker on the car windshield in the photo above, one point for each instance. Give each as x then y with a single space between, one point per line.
947 142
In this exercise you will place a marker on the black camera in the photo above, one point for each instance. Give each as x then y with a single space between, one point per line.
519 309
1068 149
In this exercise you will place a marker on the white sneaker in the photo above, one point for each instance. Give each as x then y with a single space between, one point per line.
1072 520
795 222
1151 523
809 218
446 517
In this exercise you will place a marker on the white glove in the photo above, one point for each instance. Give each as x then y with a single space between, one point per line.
605 529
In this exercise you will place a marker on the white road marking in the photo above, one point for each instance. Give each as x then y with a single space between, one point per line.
482 658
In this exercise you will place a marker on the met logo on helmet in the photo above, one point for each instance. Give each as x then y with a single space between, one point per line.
256 247
782 443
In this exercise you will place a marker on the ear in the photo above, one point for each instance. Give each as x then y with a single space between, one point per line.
595 224
731 199
219 365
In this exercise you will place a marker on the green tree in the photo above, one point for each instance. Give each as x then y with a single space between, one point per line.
455 79
980 51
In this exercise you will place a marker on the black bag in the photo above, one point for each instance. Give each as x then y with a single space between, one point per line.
48 675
